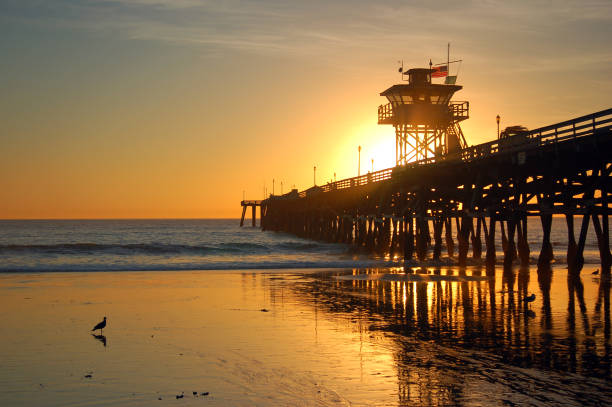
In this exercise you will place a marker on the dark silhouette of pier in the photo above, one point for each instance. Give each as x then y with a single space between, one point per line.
456 197
253 204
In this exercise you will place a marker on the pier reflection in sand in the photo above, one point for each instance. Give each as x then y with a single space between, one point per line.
474 324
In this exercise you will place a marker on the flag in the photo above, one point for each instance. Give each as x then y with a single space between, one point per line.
450 80
439 71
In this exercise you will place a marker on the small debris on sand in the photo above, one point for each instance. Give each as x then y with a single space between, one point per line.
205 393
264 310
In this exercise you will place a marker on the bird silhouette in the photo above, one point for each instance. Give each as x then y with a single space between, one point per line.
529 298
100 326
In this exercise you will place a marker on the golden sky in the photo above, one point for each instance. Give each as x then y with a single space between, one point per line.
173 108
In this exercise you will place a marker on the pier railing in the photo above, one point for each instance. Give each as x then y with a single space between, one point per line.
567 131
580 127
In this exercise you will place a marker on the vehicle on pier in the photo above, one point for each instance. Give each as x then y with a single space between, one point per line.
513 136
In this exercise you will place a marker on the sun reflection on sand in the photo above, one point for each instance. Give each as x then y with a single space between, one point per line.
324 340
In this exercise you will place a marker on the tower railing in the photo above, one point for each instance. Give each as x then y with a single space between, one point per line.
460 110
385 113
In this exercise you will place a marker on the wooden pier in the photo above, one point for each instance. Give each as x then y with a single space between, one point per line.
253 204
461 197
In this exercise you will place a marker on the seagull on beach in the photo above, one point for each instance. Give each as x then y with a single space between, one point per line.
100 326
529 298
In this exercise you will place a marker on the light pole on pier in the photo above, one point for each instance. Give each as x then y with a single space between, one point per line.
314 176
497 118
359 161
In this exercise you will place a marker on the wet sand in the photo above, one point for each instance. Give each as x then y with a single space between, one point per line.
304 338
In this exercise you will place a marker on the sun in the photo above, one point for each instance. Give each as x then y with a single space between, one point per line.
377 147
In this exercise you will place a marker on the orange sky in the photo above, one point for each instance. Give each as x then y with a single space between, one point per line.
171 109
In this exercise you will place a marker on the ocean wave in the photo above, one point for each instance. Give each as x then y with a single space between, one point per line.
212 266
162 248
157 248
89 248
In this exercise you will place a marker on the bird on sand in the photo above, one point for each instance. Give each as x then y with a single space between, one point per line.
100 326
529 298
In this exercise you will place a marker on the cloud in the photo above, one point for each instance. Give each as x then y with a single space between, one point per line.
324 28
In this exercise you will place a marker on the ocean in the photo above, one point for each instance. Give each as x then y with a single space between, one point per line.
197 244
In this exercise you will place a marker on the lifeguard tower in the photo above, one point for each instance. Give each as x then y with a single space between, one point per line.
426 121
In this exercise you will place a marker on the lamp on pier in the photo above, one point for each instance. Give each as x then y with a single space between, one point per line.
497 119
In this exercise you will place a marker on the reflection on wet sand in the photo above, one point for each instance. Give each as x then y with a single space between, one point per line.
461 327
101 338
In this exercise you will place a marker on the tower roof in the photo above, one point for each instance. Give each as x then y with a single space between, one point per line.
420 93
420 89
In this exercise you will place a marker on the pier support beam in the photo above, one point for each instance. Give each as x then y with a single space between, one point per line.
448 231
603 242
394 237
510 252
546 253
504 238
490 240
523 244
438 224
476 241
422 236
603 233
463 236
578 261
243 213
571 240
409 238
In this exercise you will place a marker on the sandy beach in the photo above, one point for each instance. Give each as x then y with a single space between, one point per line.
299 338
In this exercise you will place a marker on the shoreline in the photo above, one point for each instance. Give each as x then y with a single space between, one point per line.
399 265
